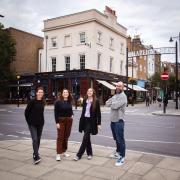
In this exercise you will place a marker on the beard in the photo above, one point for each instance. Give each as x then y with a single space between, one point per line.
118 91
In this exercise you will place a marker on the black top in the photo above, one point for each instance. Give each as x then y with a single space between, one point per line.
62 109
95 117
34 112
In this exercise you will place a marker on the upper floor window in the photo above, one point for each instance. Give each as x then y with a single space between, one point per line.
67 63
111 64
121 66
67 40
82 36
98 60
99 37
53 64
121 48
111 42
82 61
54 42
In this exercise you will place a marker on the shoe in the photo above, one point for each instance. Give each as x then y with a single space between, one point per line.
76 158
115 155
58 157
120 161
89 157
37 159
66 155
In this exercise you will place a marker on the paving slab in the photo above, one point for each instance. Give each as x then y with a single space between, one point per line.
4 144
20 147
60 174
11 176
170 163
95 160
74 166
9 164
130 176
162 174
32 170
140 168
151 159
104 172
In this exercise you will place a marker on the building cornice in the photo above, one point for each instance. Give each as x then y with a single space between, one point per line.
84 22
82 12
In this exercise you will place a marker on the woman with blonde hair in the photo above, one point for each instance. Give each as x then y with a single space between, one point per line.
90 122
63 116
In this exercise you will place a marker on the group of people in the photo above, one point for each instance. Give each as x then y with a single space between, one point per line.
89 123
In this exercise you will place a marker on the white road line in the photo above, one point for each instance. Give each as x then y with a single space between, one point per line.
12 136
26 138
1 134
9 124
141 140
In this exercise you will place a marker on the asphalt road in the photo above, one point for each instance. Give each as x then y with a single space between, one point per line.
143 131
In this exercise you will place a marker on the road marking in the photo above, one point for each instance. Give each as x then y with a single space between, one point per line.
23 132
12 136
1 134
9 124
141 140
26 138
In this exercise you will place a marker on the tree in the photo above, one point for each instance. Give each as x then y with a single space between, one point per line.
7 53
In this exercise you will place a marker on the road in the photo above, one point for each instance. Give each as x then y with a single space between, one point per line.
143 131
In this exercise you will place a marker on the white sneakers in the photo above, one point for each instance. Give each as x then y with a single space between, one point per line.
66 155
115 155
76 158
89 157
58 156
120 161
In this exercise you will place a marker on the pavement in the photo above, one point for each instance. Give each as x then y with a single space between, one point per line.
16 164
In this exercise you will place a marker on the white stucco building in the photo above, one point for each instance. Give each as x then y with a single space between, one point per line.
84 40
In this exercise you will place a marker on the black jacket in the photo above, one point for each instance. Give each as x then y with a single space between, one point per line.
95 116
34 112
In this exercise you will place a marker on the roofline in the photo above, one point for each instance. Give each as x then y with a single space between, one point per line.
84 22
24 32
81 12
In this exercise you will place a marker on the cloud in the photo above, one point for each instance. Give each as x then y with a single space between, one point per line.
154 20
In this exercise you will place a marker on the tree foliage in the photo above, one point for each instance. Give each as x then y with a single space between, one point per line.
7 53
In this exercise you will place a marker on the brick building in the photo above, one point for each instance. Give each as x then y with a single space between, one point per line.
27 51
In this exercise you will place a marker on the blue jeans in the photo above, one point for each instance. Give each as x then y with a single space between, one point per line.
118 135
36 132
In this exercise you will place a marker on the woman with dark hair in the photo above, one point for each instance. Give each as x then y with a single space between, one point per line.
63 117
90 122
34 114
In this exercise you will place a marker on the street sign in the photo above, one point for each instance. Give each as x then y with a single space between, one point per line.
164 76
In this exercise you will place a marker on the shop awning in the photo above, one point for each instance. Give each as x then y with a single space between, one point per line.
135 87
106 84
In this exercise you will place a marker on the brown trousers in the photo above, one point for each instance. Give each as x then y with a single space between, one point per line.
63 134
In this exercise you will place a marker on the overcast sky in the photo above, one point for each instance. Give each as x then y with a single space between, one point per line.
154 20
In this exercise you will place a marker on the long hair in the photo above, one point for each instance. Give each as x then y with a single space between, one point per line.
61 98
41 88
94 99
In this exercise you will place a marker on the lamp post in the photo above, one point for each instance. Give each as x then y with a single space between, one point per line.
176 71
18 77
76 98
46 51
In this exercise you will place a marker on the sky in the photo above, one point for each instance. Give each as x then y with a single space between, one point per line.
154 20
